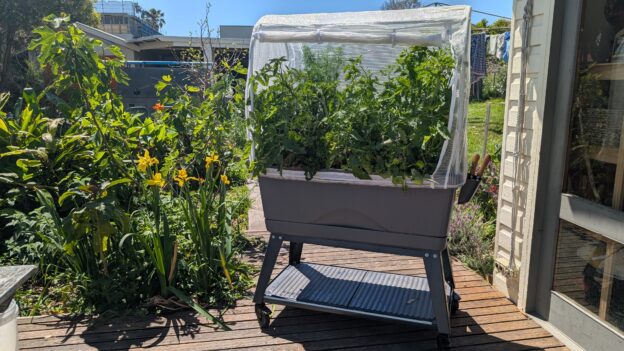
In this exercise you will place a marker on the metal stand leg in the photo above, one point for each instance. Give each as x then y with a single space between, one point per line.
294 255
435 277
448 271
275 243
448 274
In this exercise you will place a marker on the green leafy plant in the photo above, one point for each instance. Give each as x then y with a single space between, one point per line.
305 119
108 231
291 109
471 238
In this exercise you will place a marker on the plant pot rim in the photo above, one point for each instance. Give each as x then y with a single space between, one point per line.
337 176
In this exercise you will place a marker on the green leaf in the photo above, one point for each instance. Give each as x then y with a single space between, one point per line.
65 196
25 164
3 126
187 300
117 182
26 117
192 89
160 86
15 153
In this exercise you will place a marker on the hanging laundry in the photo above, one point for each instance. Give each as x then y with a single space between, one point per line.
507 48
478 49
500 45
492 45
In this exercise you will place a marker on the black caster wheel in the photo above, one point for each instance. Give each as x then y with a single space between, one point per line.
444 342
263 313
455 302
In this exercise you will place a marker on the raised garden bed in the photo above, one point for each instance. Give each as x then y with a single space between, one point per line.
379 99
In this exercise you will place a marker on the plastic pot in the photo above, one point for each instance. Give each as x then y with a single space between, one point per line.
339 207
8 328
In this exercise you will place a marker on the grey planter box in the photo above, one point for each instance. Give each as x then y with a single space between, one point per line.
338 206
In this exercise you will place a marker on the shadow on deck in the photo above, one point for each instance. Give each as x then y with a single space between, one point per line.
486 320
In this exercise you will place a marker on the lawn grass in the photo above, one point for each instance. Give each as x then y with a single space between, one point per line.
476 125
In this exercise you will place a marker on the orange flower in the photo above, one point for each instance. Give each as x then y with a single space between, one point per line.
158 107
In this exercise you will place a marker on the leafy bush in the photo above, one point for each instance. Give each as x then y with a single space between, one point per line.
128 208
473 225
304 119
494 86
471 238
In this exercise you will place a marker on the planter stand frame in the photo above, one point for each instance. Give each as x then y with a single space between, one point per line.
435 296
339 210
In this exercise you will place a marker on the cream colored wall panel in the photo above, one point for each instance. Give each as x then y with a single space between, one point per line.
508 168
537 32
504 243
532 84
506 192
539 7
514 285
505 218
502 257
510 145
534 66
530 115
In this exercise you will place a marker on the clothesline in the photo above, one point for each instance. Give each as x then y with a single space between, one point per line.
483 44
489 28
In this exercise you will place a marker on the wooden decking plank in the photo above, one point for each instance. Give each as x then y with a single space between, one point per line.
168 336
504 341
130 337
538 343
486 318
108 332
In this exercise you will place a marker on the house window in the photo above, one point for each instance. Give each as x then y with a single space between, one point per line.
590 252
596 156
590 271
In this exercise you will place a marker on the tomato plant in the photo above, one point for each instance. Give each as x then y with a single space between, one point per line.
334 113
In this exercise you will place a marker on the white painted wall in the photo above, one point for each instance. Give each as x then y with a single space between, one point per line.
514 285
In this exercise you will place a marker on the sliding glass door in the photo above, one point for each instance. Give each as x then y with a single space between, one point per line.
587 300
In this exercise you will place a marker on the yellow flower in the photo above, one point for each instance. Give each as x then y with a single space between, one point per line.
225 180
213 158
183 177
146 161
156 180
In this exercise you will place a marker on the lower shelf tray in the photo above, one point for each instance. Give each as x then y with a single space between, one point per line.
354 292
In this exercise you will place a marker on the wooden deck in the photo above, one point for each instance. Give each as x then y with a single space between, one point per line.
485 321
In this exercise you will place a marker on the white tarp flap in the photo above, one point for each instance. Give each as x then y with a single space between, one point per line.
378 37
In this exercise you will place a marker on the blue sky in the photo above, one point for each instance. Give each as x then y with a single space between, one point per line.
182 16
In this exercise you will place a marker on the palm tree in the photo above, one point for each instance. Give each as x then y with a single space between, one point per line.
155 18
138 10
400 4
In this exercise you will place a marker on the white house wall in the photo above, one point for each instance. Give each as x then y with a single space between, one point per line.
514 283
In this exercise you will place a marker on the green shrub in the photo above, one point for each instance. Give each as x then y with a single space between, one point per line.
494 86
111 224
471 238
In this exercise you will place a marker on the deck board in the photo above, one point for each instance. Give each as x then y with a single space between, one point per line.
485 321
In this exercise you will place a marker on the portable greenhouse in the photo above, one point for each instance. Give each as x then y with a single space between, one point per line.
404 213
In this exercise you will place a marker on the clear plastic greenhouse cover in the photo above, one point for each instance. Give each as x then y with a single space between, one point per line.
378 37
